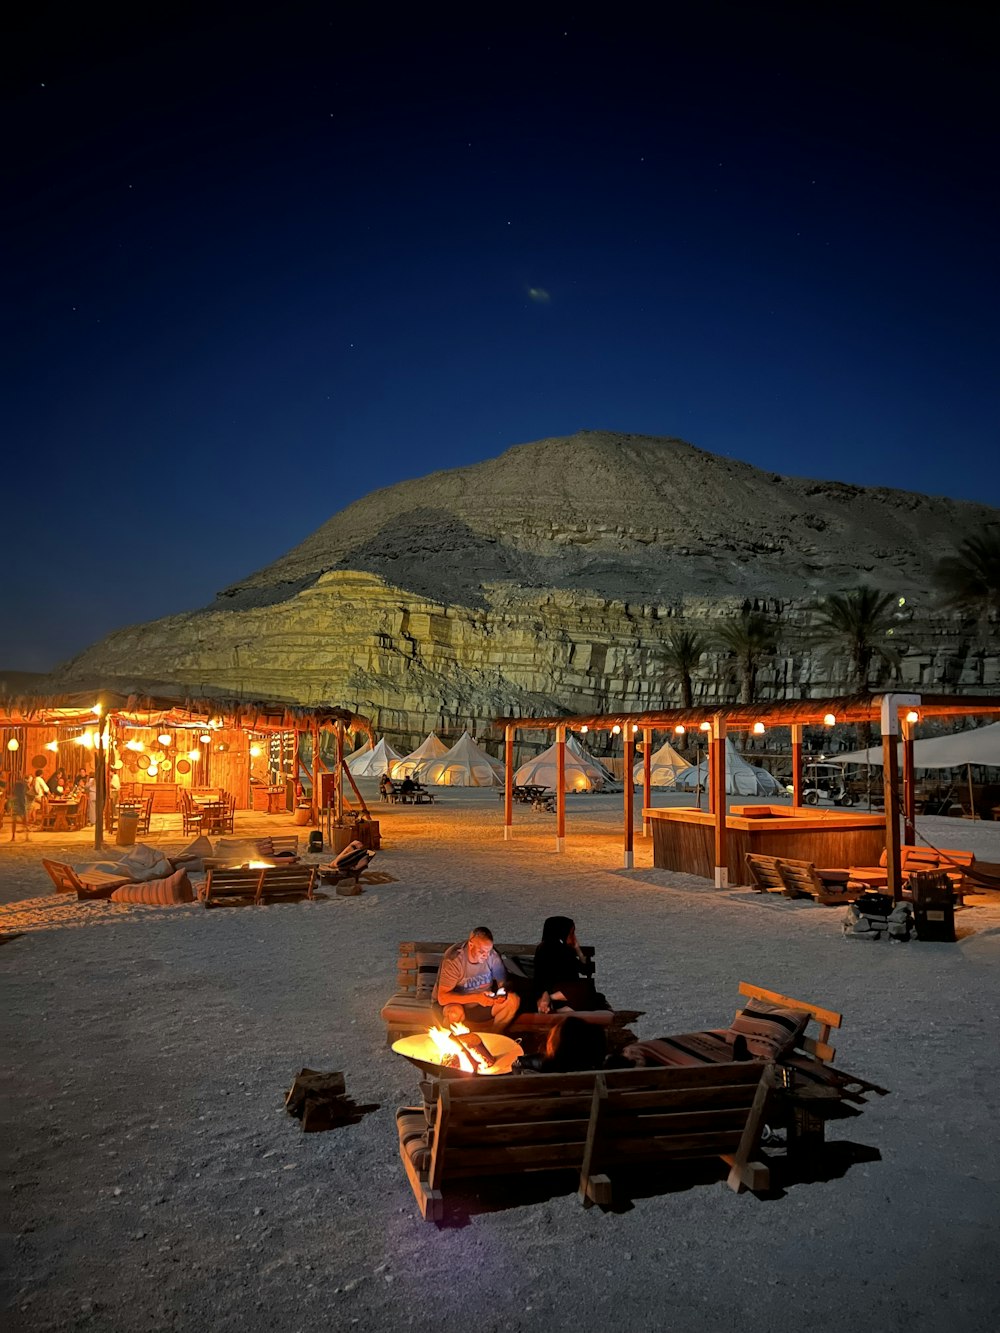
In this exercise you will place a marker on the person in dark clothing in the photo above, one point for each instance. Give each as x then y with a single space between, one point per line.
571 1047
561 981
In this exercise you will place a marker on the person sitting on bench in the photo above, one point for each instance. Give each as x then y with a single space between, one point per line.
561 983
472 984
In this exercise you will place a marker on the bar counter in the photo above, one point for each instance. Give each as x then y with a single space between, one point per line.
684 838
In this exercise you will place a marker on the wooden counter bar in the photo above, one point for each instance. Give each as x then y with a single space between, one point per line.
683 838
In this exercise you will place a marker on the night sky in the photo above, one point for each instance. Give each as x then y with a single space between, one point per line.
258 265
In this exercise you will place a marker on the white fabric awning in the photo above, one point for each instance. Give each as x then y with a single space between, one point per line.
979 745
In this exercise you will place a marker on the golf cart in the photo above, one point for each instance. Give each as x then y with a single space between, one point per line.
825 782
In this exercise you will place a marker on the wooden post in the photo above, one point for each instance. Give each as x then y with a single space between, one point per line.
796 763
890 789
909 792
339 788
508 782
709 770
647 776
628 857
317 794
717 786
100 781
560 788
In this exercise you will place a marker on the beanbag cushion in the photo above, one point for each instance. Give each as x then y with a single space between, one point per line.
176 888
236 851
768 1029
145 863
193 856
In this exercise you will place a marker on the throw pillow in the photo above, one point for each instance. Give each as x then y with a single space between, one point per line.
769 1030
157 893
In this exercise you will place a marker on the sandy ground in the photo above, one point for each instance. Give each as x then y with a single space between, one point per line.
154 1180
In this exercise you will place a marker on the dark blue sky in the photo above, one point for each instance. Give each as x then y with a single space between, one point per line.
262 263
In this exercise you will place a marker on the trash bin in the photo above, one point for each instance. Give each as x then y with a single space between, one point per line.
342 836
303 815
368 834
128 822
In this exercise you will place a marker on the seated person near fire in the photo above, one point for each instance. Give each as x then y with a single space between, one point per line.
562 983
472 984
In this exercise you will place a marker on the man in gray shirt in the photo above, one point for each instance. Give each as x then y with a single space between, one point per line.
472 984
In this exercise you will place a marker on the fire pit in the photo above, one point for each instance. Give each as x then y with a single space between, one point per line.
459 1053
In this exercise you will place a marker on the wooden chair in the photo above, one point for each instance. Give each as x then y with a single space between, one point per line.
952 862
227 817
89 884
145 815
801 879
259 884
593 1123
764 874
191 817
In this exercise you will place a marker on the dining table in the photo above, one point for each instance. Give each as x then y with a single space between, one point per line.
63 815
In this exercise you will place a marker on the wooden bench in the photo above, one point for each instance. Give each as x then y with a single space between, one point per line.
813 1090
278 846
593 1123
86 884
953 863
798 879
260 883
411 1009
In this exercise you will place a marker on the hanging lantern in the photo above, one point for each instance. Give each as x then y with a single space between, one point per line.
13 743
163 738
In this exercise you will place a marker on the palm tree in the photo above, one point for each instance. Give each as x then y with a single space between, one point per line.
682 651
970 580
750 640
858 623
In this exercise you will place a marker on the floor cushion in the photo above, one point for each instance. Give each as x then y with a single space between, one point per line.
176 888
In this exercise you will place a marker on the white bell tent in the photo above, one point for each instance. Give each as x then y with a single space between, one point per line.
464 765
429 748
664 765
742 779
372 763
583 772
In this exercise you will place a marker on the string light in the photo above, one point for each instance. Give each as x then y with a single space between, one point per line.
616 730
758 728
912 716
205 739
705 726
163 738
680 729
13 743
584 730
829 720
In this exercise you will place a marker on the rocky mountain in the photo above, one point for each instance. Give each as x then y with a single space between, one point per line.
547 578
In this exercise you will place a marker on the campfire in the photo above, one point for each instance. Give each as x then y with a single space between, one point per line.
459 1051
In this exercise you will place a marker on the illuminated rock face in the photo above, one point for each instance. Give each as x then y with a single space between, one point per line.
546 579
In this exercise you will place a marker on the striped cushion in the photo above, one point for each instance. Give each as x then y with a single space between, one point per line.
158 892
768 1029
689 1048
428 966
265 847
413 1136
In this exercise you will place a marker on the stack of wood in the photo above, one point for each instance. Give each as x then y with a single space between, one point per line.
320 1101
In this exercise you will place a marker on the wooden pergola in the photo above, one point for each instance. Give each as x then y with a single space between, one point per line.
100 712
896 715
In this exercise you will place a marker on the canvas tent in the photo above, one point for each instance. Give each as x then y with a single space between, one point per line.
372 763
429 748
979 745
583 772
664 765
610 782
464 765
742 779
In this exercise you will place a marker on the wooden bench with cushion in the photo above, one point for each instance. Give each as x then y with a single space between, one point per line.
411 1008
593 1123
260 883
795 1035
797 879
953 863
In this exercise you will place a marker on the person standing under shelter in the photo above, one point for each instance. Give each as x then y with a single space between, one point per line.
472 984
18 804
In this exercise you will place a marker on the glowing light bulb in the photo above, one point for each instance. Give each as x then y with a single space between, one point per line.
635 727
205 739
53 746
97 709
912 716
758 728
829 720
616 730
584 730
13 743
152 770
255 752
680 729
194 755
164 739
705 726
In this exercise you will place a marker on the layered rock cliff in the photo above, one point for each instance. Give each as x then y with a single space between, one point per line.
546 579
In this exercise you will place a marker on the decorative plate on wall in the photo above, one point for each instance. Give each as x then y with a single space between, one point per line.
183 765
38 761
143 761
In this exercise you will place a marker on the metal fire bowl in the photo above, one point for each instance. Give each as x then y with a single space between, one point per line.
421 1051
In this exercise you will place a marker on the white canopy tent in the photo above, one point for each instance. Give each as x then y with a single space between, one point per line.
372 763
611 783
979 745
742 779
464 765
664 765
429 748
583 772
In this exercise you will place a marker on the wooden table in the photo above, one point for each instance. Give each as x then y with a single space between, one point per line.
64 816
212 814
